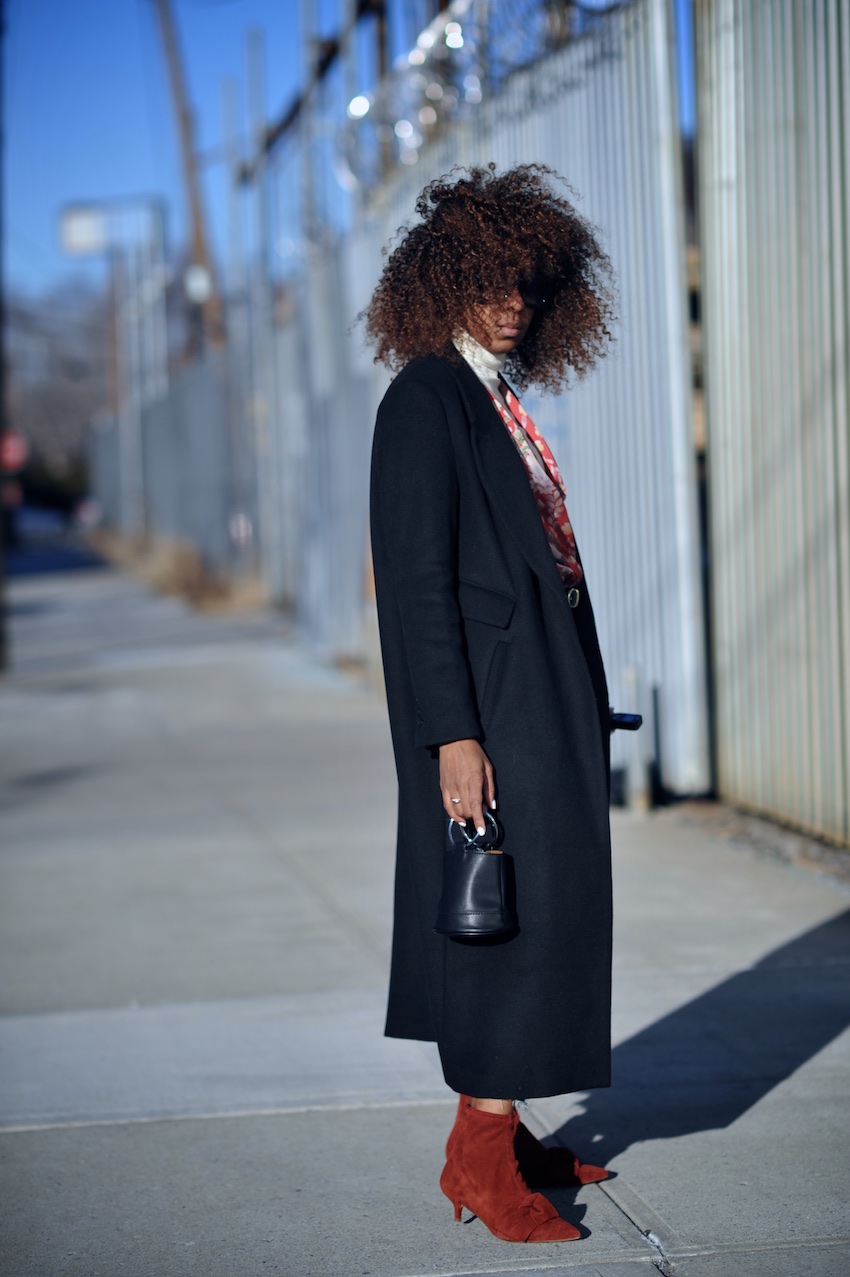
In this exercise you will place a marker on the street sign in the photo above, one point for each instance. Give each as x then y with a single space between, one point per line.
83 229
14 452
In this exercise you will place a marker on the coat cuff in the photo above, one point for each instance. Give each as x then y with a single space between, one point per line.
432 730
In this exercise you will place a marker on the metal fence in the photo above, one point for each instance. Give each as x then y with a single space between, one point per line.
192 479
602 111
774 123
329 395
187 462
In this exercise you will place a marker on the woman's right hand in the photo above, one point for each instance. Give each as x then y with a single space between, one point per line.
466 773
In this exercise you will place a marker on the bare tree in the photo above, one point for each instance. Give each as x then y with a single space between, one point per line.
58 357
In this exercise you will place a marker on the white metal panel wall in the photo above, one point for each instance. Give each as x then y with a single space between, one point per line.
774 124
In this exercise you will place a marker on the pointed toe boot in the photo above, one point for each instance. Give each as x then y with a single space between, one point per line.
481 1173
553 1167
538 1164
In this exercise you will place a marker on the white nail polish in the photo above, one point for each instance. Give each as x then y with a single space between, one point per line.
481 829
493 804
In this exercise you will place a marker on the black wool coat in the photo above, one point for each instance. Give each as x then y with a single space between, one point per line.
478 640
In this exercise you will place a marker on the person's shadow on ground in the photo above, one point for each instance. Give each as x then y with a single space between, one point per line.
706 1063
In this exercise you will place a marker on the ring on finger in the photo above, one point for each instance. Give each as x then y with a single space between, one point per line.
455 800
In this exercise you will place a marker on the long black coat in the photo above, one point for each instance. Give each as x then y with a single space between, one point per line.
478 640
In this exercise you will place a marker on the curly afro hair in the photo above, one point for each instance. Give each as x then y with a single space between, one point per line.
479 233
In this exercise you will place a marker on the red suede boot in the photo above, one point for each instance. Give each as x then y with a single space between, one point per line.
547 1167
555 1167
482 1174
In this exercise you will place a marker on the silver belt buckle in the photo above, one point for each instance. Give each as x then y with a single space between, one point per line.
573 596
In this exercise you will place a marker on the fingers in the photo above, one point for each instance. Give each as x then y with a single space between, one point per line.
489 784
485 798
466 774
469 807
452 809
477 815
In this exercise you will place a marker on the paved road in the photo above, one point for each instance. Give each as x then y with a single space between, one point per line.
197 826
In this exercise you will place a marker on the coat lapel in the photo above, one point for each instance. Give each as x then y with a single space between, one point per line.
505 479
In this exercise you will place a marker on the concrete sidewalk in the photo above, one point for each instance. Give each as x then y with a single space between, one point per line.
197 832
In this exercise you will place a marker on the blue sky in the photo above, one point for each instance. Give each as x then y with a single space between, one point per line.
88 114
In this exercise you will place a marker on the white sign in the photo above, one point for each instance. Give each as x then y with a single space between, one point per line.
83 230
198 285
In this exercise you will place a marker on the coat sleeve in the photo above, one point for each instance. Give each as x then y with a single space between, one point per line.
415 500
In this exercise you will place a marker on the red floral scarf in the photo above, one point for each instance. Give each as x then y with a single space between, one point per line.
547 486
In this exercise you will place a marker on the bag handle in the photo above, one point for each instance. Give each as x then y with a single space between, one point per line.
472 839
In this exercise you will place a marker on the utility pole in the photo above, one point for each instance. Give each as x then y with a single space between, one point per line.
210 307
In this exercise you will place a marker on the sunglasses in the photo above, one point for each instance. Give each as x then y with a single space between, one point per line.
536 293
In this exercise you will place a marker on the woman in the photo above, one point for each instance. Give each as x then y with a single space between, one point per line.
494 680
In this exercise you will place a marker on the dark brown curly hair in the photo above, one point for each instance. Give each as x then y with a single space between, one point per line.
479 231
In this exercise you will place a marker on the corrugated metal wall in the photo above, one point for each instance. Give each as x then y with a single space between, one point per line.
329 399
191 463
187 462
774 130
603 113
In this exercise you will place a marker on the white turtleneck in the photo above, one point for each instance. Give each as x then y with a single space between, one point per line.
487 368
483 362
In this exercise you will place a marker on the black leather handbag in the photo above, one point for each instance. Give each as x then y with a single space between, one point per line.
477 900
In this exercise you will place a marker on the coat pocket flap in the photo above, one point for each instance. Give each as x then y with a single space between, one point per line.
477 603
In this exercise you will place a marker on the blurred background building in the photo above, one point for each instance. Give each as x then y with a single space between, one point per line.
219 391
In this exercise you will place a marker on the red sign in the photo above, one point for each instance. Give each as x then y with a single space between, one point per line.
14 451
